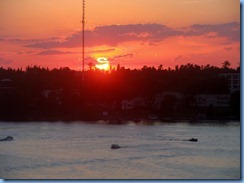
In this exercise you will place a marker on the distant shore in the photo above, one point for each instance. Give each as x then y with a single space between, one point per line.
188 92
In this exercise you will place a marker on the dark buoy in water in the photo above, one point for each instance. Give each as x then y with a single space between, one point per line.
192 140
8 138
115 146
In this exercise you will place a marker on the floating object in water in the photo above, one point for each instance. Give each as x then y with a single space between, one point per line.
8 138
192 140
115 146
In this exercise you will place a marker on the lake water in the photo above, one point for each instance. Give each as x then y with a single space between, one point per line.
45 150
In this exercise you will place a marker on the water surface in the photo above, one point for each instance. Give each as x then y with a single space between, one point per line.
45 150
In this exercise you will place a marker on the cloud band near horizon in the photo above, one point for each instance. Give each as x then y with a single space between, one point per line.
113 35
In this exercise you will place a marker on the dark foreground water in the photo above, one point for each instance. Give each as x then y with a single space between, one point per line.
43 150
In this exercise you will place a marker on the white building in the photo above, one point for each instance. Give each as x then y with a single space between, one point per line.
233 81
212 100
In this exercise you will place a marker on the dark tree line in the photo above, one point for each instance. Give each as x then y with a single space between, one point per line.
40 93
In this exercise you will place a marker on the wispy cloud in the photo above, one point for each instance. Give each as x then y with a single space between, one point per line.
179 57
29 41
228 49
125 56
5 61
58 52
194 2
25 52
54 52
102 51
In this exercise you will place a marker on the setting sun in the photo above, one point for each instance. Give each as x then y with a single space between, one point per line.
103 64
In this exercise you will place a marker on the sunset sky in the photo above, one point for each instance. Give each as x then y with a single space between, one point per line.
132 33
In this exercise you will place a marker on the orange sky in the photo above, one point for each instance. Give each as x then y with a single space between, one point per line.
132 33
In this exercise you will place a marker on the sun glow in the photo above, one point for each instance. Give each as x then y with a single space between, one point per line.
103 64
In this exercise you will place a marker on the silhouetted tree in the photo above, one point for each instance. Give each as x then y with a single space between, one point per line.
226 64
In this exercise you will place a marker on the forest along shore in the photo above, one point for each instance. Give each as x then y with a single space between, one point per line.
187 92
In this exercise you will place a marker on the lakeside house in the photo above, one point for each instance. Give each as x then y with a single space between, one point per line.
133 103
206 100
6 86
154 102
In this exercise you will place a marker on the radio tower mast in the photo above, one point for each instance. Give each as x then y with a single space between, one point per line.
83 36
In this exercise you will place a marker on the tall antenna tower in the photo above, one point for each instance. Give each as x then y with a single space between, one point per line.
83 35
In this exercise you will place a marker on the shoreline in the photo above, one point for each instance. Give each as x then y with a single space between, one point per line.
122 122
